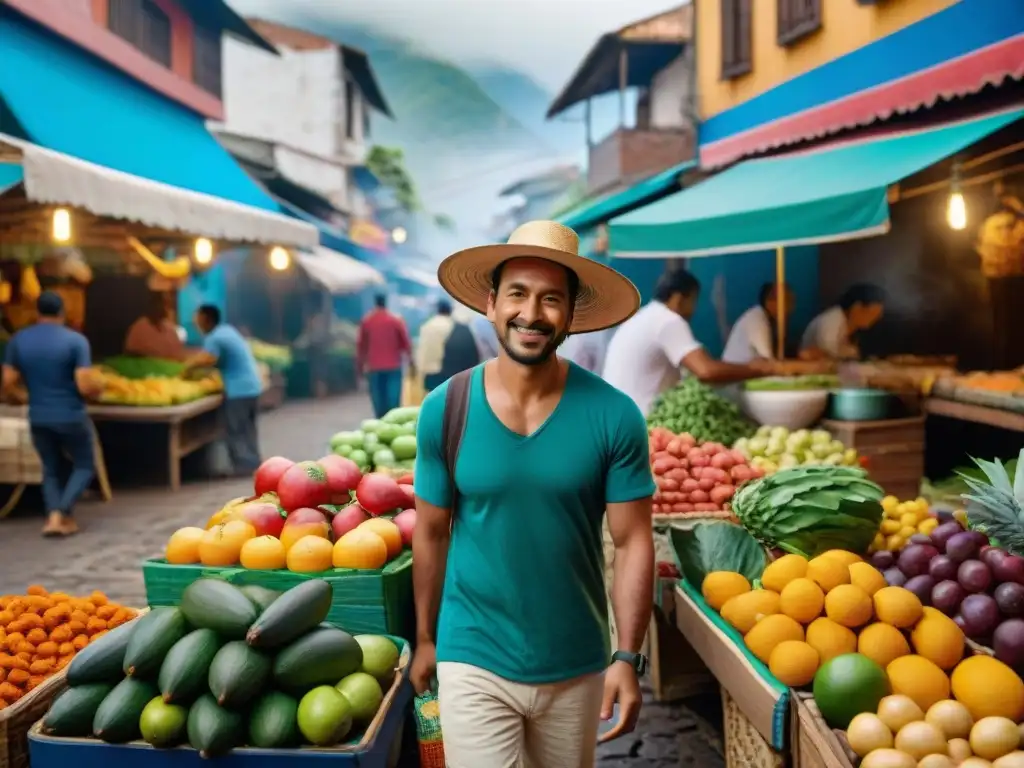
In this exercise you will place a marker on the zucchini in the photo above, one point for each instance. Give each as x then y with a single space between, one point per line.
213 730
217 605
102 661
261 597
72 712
238 674
117 717
273 723
292 615
183 674
322 657
155 635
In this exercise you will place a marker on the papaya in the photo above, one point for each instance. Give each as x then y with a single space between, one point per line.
322 657
272 722
102 660
117 717
292 615
72 712
184 670
217 605
238 674
213 730
155 635
261 597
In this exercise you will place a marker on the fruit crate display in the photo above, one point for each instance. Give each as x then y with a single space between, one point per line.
364 601
893 450
815 745
17 719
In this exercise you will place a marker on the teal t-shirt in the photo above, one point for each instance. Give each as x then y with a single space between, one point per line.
524 594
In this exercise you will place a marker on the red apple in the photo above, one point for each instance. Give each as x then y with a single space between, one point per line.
265 517
269 473
347 518
343 476
410 496
406 522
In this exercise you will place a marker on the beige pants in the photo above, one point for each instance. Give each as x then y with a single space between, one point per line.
489 722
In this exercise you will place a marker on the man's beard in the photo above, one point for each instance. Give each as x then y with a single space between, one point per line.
532 358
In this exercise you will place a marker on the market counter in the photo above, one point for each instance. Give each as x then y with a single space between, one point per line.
979 414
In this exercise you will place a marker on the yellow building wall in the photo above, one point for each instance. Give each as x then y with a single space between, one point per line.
846 26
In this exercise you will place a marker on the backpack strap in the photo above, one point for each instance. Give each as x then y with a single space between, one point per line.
456 409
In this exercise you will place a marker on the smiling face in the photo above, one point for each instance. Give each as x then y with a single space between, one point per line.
531 309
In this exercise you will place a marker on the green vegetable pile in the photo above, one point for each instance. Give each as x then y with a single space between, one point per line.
697 409
791 383
132 367
810 510
385 443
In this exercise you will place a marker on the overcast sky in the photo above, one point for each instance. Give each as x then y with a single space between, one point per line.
544 38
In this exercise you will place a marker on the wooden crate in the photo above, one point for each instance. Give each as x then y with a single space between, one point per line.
17 719
894 449
814 744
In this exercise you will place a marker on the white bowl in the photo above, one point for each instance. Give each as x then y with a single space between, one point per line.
792 409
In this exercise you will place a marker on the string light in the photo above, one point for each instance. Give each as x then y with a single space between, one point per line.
203 251
62 225
280 259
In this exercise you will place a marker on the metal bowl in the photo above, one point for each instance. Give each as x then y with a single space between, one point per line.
859 404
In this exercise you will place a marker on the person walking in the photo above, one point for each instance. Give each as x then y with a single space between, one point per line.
445 348
382 343
508 568
54 363
226 349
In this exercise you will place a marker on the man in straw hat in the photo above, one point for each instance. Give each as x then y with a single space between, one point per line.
510 600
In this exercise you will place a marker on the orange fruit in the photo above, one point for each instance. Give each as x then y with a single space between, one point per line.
220 547
362 549
265 553
388 531
310 554
183 546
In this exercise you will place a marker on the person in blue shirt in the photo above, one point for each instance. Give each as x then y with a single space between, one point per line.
225 348
54 363
508 567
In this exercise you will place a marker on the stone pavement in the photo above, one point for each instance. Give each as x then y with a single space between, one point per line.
116 537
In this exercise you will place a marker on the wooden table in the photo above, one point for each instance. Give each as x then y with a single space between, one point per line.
979 414
190 426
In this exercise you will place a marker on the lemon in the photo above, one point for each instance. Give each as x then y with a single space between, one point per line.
927 526
890 502
908 530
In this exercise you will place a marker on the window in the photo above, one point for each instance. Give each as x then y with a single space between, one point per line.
736 37
798 19
350 109
143 24
206 61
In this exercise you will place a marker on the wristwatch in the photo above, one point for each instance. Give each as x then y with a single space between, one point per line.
636 660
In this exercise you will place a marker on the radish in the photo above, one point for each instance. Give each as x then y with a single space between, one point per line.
269 473
378 493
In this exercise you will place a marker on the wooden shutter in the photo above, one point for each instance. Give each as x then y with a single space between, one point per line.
207 61
736 37
797 19
143 24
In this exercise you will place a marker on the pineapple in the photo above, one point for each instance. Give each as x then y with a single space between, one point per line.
997 507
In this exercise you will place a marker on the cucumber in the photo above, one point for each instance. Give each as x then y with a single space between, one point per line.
213 730
183 674
273 723
217 605
72 712
322 657
261 597
102 661
155 635
238 674
292 615
117 717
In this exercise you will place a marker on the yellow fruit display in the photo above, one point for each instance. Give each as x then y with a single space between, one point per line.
719 586
882 643
155 391
888 758
959 750
936 761
846 558
779 573
794 662
828 572
802 600
183 546
918 678
866 733
901 521
264 553
848 605
310 554
897 710
993 737
769 632
951 717
988 688
867 577
742 612
938 638
897 606
830 639
1013 759
921 739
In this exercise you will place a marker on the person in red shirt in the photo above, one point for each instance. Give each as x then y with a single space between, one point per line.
383 341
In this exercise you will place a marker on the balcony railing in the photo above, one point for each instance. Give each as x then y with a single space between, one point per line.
629 154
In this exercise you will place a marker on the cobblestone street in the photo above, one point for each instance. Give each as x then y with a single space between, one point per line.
116 537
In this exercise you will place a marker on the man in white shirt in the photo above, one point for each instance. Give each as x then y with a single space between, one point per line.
433 335
647 351
833 332
752 334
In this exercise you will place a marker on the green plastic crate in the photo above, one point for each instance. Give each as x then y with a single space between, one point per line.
374 602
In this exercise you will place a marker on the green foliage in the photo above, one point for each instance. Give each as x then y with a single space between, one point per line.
388 165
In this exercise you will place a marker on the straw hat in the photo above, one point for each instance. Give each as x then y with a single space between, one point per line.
605 297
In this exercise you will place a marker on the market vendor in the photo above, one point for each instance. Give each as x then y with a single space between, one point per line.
833 333
646 353
155 334
753 334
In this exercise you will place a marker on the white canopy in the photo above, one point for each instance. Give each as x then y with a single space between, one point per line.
52 177
337 272
421 276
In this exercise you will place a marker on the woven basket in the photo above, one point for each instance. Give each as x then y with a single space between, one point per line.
373 602
17 719
744 746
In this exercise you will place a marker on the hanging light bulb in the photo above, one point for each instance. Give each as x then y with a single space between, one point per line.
399 235
279 258
956 206
61 225
203 251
